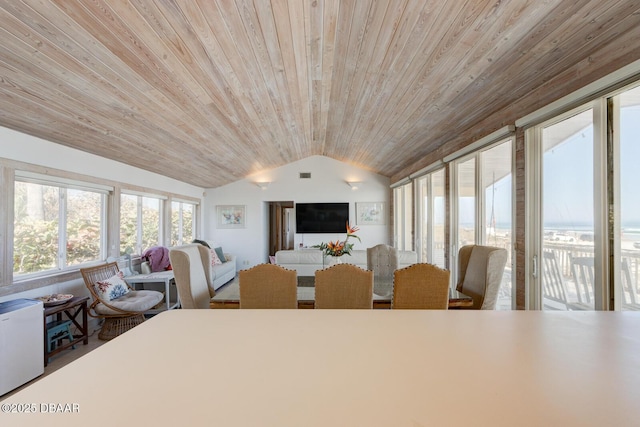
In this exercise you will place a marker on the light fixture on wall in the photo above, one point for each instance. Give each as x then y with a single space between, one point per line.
263 185
354 184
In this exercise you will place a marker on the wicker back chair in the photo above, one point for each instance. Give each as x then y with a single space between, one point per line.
421 286
268 286
383 261
120 314
344 286
191 271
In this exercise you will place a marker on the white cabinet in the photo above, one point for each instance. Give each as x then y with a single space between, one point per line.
21 342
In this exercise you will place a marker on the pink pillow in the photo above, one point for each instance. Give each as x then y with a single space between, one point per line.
214 258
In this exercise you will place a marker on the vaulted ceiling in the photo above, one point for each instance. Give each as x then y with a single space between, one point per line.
210 91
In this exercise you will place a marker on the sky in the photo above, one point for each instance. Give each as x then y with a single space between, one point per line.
568 181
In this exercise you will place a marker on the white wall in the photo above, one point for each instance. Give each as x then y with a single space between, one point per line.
30 149
328 183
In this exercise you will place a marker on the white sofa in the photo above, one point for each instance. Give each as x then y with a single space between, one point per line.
222 273
307 261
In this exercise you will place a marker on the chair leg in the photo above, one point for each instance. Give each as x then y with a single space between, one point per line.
114 326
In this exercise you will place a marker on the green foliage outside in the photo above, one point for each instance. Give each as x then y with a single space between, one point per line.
36 226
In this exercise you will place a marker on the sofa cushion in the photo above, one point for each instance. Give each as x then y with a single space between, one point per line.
215 260
301 256
307 261
220 254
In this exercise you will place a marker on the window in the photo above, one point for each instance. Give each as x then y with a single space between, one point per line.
483 209
466 202
140 223
56 227
403 217
497 221
431 214
627 119
182 223
567 180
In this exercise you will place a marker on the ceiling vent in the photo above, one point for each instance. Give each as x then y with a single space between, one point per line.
305 175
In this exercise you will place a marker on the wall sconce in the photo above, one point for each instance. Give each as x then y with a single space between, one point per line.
263 185
354 184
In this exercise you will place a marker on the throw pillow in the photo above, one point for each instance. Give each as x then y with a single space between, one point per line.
214 258
112 288
220 254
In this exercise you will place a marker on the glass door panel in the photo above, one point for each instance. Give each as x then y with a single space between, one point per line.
466 192
497 231
567 265
403 214
430 211
629 244
438 215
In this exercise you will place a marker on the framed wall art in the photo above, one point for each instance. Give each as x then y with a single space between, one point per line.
371 213
230 216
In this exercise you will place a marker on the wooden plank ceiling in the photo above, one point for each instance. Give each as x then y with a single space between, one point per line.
211 91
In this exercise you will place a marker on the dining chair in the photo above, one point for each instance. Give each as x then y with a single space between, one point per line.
383 261
421 286
344 286
114 301
190 264
480 270
268 286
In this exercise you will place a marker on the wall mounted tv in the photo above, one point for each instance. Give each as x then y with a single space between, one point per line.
322 217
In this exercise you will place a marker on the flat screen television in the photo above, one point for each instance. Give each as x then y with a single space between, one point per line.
322 217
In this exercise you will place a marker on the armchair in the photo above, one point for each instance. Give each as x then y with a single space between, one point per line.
191 269
480 270
121 309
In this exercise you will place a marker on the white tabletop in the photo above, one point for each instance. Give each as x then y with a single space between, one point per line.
354 368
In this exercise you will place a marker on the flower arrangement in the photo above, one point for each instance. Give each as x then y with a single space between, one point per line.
339 248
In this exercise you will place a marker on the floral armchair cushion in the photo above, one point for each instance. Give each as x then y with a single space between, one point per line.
112 288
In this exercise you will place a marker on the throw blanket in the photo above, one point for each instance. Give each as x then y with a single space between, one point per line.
158 257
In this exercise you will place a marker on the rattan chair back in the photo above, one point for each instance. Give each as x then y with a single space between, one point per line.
421 286
268 286
119 321
344 286
93 275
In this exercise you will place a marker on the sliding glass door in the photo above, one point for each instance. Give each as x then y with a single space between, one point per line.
626 112
482 207
567 256
430 220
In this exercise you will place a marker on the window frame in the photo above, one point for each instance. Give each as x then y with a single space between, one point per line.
9 169
181 203
62 185
534 153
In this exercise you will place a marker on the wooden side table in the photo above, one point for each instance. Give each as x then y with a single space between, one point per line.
72 309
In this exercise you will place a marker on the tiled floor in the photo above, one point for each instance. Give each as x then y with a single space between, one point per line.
63 358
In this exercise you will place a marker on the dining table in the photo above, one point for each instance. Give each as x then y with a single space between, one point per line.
229 297
401 368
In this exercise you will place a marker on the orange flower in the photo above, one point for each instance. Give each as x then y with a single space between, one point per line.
351 230
339 248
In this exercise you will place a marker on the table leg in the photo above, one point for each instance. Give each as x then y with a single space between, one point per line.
85 324
167 288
